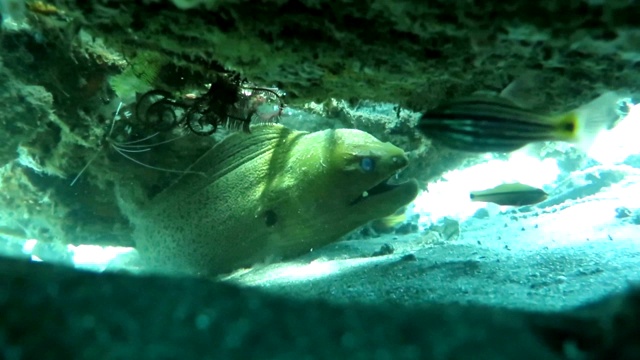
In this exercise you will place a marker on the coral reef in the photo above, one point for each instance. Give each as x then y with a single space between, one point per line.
68 66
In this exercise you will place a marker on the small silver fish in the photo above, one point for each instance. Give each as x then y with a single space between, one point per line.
496 124
514 194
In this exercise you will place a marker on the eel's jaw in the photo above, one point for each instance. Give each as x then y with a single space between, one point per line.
382 187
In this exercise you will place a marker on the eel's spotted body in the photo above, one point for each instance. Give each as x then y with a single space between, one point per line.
270 194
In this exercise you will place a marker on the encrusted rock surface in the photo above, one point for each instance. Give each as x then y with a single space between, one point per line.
409 52
54 312
65 70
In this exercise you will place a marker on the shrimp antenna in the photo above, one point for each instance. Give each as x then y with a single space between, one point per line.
134 146
113 124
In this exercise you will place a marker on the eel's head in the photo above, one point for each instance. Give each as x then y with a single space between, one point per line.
365 171
354 177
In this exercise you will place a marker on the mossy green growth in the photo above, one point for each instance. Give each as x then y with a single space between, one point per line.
140 76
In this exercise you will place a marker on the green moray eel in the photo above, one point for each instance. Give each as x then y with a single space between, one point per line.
271 194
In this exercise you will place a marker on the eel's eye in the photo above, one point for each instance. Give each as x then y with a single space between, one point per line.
367 164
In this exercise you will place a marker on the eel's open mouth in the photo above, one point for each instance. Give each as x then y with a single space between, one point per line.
381 187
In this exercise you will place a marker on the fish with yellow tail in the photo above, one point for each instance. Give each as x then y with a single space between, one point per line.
497 124
514 194
274 193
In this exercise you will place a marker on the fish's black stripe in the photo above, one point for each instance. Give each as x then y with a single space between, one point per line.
474 131
471 130
494 140
479 144
482 100
488 117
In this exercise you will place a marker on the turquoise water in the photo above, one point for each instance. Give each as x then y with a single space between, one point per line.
94 128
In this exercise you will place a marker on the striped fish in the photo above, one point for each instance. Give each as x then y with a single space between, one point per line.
495 124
